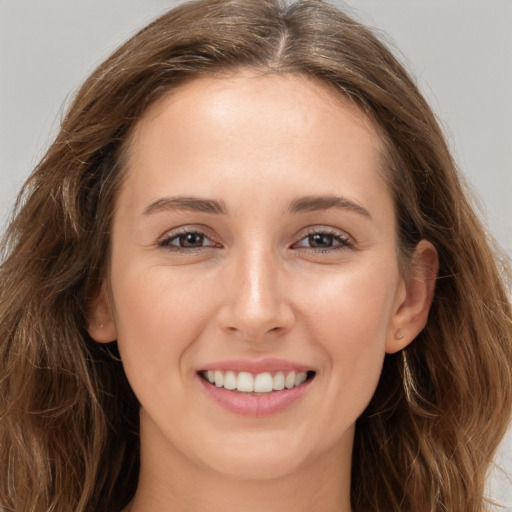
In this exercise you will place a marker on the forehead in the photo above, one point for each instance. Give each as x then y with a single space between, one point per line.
222 98
253 131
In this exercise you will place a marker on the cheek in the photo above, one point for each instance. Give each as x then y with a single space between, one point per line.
157 319
353 306
349 318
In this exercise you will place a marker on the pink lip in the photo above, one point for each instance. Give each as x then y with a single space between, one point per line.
267 364
254 405
247 404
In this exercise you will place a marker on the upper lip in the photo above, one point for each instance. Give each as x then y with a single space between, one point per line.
255 366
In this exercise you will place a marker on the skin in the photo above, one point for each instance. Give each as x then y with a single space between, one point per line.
256 287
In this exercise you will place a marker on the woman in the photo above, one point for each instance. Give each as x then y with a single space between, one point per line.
246 275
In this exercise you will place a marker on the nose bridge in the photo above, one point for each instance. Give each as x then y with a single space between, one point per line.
259 278
256 304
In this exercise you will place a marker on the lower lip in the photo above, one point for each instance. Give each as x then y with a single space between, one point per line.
246 404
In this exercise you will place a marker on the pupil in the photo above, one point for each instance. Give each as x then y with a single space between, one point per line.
191 240
320 240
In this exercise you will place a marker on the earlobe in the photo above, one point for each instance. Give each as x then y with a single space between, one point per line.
101 326
413 306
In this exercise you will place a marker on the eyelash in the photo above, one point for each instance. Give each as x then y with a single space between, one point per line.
343 241
166 243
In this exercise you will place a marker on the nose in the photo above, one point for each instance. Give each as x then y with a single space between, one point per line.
256 306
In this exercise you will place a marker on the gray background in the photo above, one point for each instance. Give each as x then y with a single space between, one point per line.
460 51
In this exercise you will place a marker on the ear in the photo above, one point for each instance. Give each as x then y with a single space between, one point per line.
414 298
102 327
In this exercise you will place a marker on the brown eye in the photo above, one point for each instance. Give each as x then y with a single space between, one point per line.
320 240
186 240
190 240
323 240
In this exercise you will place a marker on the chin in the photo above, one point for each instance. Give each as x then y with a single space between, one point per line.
262 456
253 454
257 467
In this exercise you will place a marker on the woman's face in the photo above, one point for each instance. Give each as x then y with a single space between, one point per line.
253 244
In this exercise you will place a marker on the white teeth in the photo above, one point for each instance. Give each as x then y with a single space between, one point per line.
219 379
278 381
300 378
246 382
289 382
230 380
263 383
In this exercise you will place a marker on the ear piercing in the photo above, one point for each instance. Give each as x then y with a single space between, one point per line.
399 334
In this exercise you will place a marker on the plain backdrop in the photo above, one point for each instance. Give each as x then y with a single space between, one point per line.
460 51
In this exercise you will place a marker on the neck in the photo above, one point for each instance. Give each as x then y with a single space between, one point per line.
169 481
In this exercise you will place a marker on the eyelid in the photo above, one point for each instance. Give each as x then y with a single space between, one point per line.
183 230
347 241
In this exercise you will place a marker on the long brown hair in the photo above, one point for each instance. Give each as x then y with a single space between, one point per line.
68 418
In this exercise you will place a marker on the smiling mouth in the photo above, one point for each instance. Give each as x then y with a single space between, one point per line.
256 384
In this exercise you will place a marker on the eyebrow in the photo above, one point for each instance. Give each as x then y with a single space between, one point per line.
193 204
314 203
301 205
